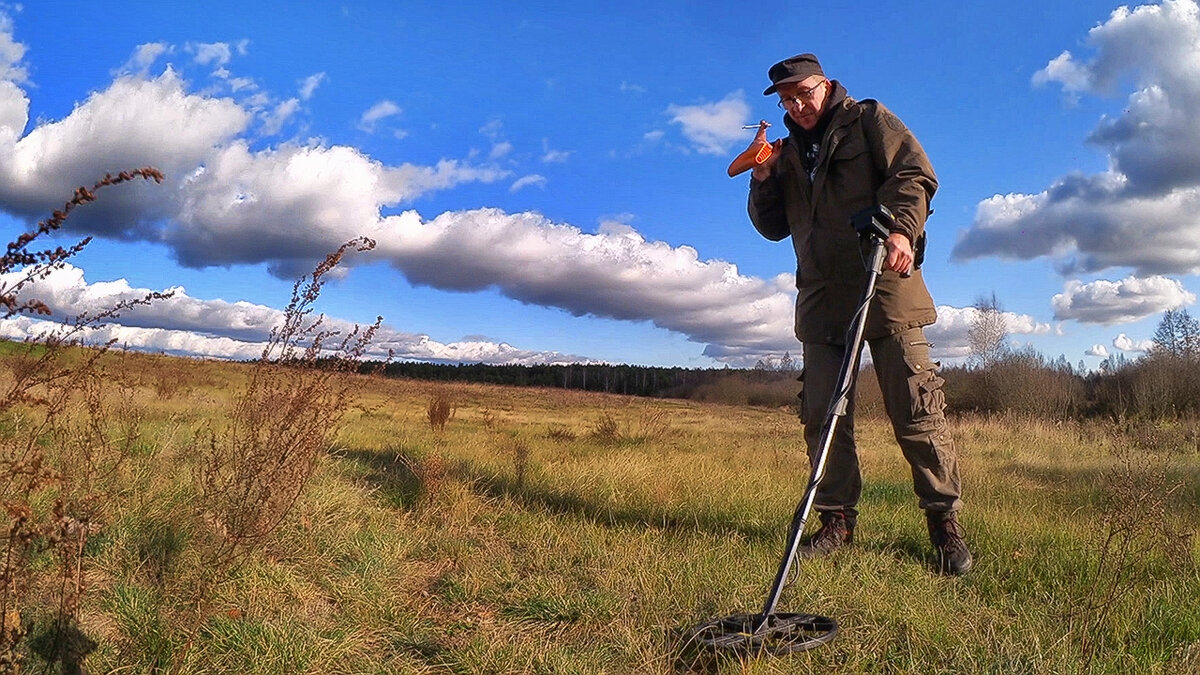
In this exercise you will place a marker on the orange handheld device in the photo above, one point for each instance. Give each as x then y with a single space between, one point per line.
760 150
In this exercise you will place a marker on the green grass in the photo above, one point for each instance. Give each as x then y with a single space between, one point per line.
415 551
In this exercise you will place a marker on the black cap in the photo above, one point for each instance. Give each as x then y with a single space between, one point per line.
799 67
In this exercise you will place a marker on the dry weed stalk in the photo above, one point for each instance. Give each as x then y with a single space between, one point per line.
518 452
35 265
430 472
606 429
652 424
53 466
253 471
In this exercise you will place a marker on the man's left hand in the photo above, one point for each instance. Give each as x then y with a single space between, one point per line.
899 253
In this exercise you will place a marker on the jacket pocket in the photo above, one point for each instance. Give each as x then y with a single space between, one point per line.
849 147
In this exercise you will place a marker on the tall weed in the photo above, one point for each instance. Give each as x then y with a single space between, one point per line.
253 470
440 410
59 448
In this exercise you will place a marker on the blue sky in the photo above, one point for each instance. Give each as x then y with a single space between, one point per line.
547 183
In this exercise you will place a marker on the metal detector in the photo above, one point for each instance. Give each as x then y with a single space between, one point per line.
778 633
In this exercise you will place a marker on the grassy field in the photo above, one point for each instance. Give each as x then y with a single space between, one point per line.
545 531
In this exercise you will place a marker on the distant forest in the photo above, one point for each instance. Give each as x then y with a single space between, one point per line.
615 379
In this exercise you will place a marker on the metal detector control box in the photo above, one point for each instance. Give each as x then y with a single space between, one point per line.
874 221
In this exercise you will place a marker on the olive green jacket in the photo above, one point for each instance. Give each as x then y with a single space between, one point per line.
867 157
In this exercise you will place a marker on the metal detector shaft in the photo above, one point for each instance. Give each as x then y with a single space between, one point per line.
837 410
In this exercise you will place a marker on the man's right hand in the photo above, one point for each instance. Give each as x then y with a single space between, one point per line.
763 171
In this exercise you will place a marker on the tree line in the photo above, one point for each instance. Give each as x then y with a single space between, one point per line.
999 378
652 381
996 378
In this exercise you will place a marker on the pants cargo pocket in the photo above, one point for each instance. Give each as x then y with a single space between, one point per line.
925 390
926 434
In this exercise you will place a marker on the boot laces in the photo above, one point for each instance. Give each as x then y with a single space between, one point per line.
949 536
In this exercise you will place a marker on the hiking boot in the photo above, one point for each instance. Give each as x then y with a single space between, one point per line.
946 534
837 530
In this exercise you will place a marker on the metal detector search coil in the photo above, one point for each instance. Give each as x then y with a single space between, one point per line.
780 634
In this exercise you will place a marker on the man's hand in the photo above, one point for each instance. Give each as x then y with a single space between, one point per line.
762 171
899 253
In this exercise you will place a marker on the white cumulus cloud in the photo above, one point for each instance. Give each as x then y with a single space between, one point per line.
272 122
713 128
380 111
615 273
135 122
308 86
532 180
1124 301
1124 343
185 325
1144 212
12 53
552 156
216 53
144 56
223 203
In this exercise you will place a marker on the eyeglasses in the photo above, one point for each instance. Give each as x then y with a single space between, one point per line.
801 97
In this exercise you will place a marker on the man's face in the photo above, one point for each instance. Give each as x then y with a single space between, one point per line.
805 100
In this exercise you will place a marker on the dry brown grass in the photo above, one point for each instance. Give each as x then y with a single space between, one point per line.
413 550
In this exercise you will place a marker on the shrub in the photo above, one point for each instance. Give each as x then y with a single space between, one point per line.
1020 382
440 410
606 429
758 388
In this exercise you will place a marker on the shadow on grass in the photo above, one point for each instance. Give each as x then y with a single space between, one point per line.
62 643
614 515
887 493
391 472
905 548
1075 485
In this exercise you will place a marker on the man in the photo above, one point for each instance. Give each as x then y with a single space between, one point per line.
840 157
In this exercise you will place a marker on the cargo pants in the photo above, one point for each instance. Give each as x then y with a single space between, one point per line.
914 401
